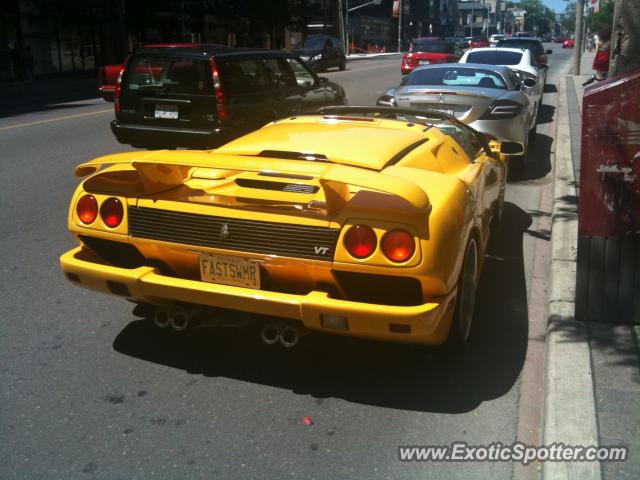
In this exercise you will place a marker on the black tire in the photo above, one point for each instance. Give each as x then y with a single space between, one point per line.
343 64
465 300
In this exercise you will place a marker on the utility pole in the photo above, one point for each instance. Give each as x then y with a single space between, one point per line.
577 50
625 37
399 26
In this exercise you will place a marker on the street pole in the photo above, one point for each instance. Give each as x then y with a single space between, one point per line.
399 26
577 49
625 37
473 18
346 27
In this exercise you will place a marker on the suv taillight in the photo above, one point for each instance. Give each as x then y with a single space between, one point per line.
116 97
221 100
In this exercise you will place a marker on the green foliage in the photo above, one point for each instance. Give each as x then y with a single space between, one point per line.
602 19
537 17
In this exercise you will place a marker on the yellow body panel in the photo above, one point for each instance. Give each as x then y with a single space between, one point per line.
354 175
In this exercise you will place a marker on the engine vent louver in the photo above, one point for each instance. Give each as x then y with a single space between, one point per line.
277 186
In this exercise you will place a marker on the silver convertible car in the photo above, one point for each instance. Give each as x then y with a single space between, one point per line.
489 98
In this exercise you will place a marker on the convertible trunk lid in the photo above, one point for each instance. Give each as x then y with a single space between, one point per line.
467 105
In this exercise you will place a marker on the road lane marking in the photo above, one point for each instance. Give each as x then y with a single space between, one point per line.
58 119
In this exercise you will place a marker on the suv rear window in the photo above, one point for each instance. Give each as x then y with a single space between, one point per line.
171 75
495 58
534 45
455 77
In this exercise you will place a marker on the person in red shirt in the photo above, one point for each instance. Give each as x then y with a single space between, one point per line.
601 60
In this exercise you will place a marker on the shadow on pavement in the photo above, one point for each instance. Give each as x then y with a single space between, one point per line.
545 115
550 88
44 93
381 374
538 162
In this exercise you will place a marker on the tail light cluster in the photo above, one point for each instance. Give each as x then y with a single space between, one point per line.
397 245
502 109
221 99
118 92
111 211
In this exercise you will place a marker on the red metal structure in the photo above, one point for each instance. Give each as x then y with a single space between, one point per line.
608 277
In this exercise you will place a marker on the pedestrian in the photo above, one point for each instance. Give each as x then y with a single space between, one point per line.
601 60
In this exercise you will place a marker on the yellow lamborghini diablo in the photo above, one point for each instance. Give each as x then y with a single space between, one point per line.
362 221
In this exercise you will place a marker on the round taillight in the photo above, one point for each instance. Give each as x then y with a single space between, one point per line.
87 209
112 212
360 241
398 245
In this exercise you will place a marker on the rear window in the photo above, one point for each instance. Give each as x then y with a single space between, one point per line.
455 77
434 47
495 58
533 45
255 75
171 75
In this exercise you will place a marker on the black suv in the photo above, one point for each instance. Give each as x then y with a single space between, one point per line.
322 52
202 96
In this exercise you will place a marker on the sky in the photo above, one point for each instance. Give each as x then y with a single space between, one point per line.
555 5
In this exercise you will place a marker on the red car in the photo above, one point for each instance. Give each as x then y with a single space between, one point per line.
426 51
107 79
568 43
478 42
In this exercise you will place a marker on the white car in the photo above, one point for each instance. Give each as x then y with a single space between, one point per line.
495 38
519 60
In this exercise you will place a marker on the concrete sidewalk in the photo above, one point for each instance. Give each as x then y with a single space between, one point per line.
592 370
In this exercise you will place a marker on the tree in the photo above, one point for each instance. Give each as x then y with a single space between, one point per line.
602 19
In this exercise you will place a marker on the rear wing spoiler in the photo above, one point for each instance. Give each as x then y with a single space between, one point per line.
160 174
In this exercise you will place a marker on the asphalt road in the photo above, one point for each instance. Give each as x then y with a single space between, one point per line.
88 390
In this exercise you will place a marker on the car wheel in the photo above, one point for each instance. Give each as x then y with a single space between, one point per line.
466 298
497 216
343 64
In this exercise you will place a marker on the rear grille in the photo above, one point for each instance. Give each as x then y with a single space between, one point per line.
269 238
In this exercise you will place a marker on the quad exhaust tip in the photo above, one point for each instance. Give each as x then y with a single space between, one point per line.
287 335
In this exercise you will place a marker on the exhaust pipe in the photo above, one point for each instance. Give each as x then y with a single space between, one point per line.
290 335
270 333
162 318
179 320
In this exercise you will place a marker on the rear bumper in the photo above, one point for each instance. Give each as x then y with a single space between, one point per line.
429 323
507 130
159 136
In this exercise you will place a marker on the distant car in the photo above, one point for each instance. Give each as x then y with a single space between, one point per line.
459 41
533 44
559 39
478 42
201 96
488 98
427 51
568 43
495 38
107 79
521 62
322 52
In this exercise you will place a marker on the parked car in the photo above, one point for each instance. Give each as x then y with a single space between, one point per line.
203 95
520 61
495 38
322 52
559 39
533 44
107 79
478 42
489 98
344 222
459 41
426 51
568 43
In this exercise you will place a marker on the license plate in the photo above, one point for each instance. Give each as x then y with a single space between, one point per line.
437 107
424 62
167 111
228 270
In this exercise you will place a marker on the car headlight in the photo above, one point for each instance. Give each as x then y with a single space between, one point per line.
315 58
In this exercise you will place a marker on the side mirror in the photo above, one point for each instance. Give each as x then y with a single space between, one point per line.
511 148
529 82
549 52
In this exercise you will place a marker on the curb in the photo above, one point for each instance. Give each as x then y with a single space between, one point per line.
366 56
569 414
